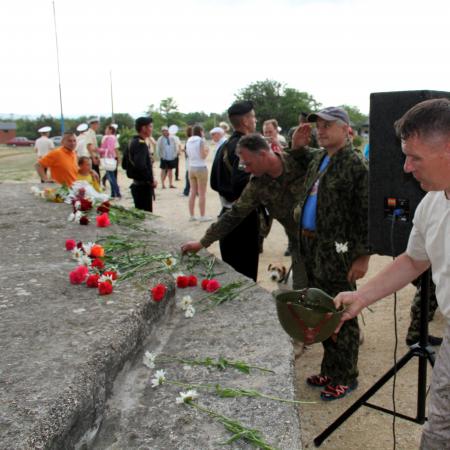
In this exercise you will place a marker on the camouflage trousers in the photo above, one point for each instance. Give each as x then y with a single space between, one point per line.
436 431
414 327
340 357
299 278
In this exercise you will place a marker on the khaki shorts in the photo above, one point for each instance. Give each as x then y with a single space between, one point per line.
198 174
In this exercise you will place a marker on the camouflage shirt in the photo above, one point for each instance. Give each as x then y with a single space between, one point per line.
278 195
342 207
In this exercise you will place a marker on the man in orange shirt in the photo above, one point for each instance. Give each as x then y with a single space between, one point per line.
62 162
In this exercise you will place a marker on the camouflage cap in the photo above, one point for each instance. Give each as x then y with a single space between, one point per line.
330 114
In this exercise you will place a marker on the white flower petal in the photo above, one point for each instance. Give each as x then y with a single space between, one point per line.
159 378
185 302
77 253
187 396
190 311
88 247
149 360
84 260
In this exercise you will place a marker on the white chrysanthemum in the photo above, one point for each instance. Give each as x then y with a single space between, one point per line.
78 216
71 217
159 378
149 360
185 302
84 260
170 262
77 204
88 247
341 247
35 191
77 253
187 396
190 312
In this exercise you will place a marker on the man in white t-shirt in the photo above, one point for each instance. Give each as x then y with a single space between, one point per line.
81 140
425 134
43 144
91 143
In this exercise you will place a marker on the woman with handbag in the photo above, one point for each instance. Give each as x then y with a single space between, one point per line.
109 159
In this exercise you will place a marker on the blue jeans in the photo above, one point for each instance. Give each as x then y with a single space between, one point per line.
115 191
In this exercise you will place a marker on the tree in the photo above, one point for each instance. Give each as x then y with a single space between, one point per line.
273 100
357 118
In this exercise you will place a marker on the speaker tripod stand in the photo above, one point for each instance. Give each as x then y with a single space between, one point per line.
421 350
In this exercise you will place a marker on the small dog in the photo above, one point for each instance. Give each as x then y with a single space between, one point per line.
277 273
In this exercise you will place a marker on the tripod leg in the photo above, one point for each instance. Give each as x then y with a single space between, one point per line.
363 399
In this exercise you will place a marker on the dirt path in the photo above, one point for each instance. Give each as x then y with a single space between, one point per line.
366 429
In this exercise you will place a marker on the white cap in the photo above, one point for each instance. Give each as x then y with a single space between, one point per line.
217 130
82 127
114 125
93 120
45 130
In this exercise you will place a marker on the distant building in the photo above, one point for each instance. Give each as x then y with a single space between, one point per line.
7 131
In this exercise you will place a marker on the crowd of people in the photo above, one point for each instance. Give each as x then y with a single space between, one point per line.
315 184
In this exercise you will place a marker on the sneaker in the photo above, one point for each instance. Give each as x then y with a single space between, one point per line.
337 391
204 219
318 380
193 219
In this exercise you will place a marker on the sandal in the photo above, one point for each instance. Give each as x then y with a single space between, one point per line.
336 391
318 380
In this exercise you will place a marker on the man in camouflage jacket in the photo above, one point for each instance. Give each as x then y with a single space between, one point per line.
276 184
333 210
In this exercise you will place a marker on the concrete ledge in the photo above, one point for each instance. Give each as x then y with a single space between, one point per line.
59 367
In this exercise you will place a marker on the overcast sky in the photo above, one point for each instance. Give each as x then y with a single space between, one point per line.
202 52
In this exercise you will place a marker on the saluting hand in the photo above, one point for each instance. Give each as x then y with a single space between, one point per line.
301 136
191 247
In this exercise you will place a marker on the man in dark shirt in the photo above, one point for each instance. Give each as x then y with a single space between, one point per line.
138 165
240 247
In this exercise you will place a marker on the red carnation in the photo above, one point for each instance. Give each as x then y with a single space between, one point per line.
192 280
97 263
182 281
70 244
85 204
78 275
158 292
92 281
212 285
204 284
105 288
104 207
111 273
103 220
80 245
84 220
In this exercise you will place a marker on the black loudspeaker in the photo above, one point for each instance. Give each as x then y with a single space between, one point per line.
391 190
